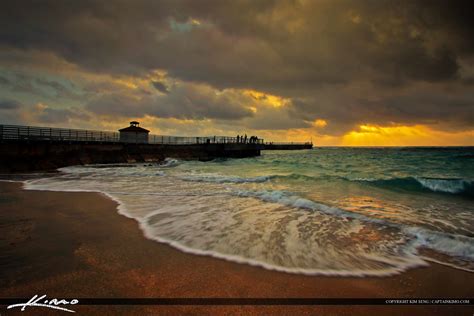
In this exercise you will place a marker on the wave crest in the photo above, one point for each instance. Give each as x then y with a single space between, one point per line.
169 162
450 186
224 179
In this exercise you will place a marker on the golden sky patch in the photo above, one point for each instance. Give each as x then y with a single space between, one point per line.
416 135
320 123
267 99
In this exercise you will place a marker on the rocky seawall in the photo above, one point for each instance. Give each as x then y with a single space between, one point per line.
24 156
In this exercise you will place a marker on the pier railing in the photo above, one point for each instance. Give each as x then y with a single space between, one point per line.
17 132
34 133
288 143
182 140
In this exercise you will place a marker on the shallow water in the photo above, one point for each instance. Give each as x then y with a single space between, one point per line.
331 211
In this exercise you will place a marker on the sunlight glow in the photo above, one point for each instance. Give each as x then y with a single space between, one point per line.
267 99
416 135
320 123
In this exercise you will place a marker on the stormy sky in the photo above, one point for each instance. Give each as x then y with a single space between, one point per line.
340 72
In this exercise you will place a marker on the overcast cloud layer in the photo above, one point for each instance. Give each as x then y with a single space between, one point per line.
269 65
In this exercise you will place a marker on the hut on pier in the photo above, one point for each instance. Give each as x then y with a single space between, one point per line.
134 134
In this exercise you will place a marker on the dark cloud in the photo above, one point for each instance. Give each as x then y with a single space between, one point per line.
116 104
9 105
347 62
59 116
10 111
272 119
20 83
4 81
52 84
242 42
186 101
24 82
160 86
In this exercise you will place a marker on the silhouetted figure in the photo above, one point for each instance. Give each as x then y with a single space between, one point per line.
238 138
245 138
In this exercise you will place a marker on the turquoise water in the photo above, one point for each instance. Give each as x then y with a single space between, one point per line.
330 211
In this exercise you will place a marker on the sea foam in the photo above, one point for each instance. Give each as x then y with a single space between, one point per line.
260 220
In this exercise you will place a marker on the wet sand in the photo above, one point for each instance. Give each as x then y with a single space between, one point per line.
77 245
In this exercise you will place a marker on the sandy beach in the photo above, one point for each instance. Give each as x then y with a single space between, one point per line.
77 245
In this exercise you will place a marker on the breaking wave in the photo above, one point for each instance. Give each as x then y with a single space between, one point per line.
450 244
291 200
224 179
450 186
169 162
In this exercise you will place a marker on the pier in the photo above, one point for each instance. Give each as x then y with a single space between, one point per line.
30 148
287 146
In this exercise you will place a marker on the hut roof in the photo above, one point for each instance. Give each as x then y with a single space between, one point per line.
135 129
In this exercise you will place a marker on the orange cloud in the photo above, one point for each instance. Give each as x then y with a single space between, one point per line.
320 123
267 99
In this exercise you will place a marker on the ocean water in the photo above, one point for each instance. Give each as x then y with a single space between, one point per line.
327 211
